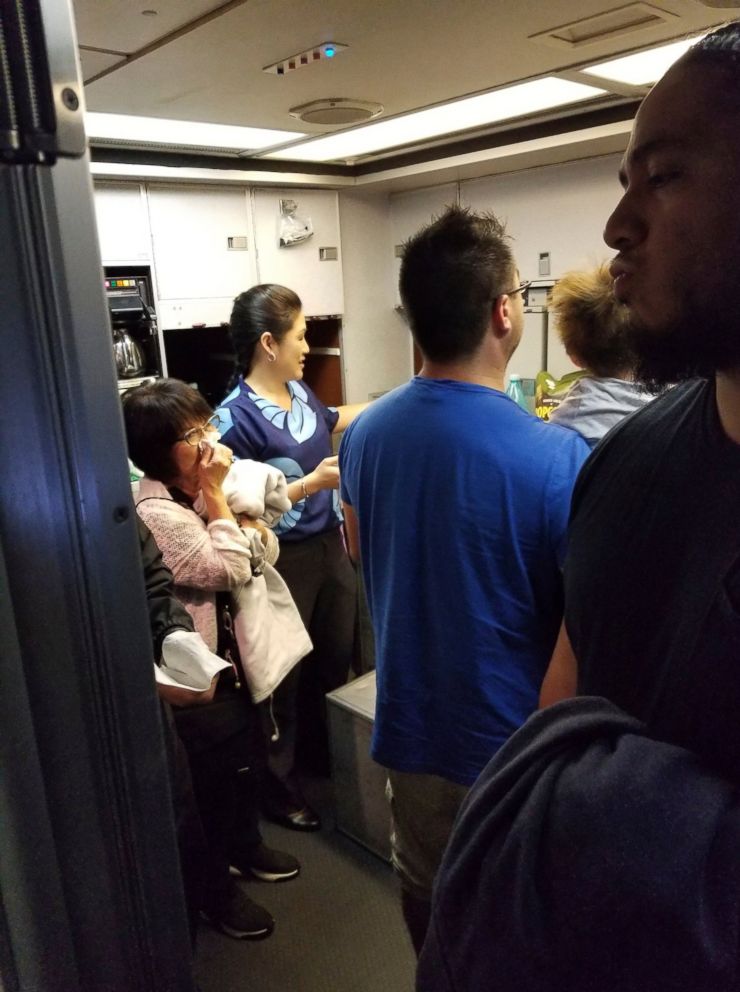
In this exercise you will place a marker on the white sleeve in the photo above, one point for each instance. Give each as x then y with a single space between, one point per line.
187 663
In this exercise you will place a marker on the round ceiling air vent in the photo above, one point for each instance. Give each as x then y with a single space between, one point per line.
336 111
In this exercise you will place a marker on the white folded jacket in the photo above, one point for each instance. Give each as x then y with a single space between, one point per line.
257 489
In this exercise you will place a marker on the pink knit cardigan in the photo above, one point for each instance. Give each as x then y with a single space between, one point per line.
204 558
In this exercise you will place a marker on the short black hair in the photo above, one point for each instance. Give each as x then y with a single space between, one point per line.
720 49
451 272
722 44
156 414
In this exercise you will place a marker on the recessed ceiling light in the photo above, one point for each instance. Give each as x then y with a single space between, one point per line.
158 131
642 68
460 115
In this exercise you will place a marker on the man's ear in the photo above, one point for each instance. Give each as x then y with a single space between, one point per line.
501 316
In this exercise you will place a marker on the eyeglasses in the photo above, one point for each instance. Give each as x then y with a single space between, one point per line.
522 288
196 434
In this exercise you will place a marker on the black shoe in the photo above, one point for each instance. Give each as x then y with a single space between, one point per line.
267 864
294 818
239 917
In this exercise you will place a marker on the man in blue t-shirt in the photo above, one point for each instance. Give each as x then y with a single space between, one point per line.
456 501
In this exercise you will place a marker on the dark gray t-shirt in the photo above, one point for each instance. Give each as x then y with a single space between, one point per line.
653 574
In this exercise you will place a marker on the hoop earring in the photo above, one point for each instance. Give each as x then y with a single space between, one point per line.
271 357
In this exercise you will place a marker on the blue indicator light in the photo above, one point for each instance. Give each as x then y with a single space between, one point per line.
330 52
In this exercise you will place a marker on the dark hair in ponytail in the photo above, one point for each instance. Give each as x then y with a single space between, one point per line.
267 307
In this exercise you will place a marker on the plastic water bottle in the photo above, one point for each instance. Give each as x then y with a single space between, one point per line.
516 392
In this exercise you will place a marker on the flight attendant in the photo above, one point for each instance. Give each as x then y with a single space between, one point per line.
271 416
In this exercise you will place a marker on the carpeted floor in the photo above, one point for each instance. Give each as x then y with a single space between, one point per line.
338 925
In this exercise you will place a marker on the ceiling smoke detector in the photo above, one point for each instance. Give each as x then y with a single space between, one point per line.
337 111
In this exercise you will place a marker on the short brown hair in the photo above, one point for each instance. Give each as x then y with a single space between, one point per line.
591 322
451 272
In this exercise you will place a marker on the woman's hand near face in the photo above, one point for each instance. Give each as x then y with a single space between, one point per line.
214 464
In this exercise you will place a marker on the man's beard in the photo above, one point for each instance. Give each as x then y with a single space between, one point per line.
703 340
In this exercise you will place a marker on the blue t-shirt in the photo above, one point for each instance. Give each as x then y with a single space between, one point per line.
462 499
294 441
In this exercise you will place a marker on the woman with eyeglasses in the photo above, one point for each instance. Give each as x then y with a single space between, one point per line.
173 438
272 416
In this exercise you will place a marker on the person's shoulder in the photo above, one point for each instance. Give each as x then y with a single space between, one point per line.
554 437
233 407
668 409
563 436
151 489
550 457
387 405
239 392
631 447
563 453
377 420
683 395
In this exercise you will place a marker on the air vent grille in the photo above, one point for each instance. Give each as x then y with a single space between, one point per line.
603 27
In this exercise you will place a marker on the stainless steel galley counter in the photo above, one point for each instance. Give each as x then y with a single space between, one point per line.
361 807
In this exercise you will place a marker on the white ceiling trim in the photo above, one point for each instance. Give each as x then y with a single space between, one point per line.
603 139
518 150
124 170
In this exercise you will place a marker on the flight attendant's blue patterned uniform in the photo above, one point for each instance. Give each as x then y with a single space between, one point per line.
294 441
313 560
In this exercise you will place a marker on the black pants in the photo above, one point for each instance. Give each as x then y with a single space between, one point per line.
322 582
191 841
226 754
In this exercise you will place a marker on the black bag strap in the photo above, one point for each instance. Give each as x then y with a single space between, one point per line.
227 647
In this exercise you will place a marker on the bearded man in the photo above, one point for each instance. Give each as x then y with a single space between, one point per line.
597 850
653 573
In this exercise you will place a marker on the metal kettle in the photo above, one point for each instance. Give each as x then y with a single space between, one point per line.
129 357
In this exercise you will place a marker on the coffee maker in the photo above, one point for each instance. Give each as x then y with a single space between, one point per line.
136 342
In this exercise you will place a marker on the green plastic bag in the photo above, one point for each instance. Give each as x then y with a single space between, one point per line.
550 392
